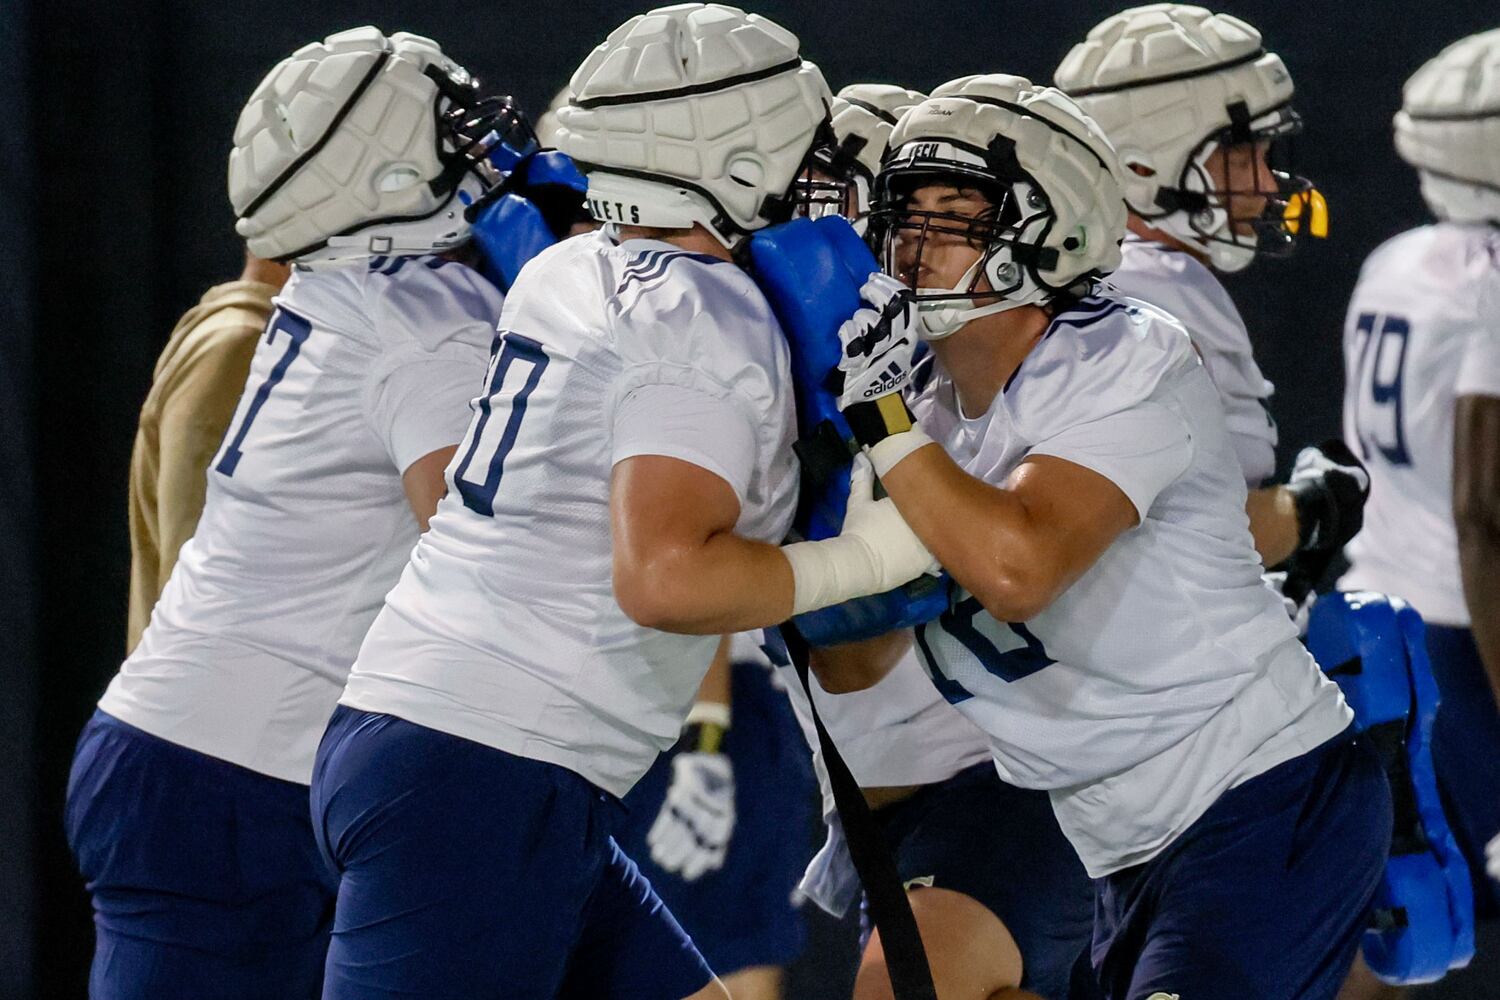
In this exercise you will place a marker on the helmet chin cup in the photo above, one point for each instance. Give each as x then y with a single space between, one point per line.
945 317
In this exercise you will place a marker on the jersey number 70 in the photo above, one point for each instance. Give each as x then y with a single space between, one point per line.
519 360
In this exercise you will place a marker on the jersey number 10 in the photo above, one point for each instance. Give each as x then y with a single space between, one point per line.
1377 387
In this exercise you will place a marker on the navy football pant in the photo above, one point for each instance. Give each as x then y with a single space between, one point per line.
1265 897
774 792
205 876
469 872
1466 753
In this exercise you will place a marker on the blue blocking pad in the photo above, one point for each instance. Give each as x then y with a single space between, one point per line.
509 231
811 271
1375 649
513 227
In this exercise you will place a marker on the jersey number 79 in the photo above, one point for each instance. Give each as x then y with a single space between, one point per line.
1378 417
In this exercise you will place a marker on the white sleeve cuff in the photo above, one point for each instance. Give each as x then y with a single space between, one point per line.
708 431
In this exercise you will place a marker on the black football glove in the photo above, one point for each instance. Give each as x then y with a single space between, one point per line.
1329 485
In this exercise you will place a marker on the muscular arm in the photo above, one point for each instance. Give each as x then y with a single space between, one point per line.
424 484
1016 547
1476 513
678 565
1273 523
717 685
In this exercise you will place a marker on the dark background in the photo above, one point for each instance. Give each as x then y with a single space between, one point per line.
116 128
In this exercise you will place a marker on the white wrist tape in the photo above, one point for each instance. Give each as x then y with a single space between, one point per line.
889 451
830 571
713 713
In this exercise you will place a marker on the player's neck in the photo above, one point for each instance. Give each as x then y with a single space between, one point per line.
265 271
1146 231
981 357
695 240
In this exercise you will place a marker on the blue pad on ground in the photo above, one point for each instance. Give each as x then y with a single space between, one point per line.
1374 648
811 272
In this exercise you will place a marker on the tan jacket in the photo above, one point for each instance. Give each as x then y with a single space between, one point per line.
194 391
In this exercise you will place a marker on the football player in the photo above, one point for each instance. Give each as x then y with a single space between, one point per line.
193 395
718 824
991 918
1200 113
1067 460
615 508
1422 409
187 804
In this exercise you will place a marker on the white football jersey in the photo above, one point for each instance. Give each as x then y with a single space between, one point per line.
900 731
504 628
1183 287
1423 328
1169 672
363 369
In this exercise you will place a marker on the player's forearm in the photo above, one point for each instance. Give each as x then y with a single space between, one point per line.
983 535
855 666
716 685
1273 523
727 583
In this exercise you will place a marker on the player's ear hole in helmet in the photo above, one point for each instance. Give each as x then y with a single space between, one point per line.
365 144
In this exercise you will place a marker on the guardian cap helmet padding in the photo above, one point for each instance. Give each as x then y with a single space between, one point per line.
847 160
697 113
1449 129
1171 83
1057 217
363 144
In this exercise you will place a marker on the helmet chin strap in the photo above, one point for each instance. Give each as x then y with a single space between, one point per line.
945 317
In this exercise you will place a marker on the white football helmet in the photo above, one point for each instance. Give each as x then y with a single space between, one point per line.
1046 168
697 113
1449 129
1171 83
362 144
847 158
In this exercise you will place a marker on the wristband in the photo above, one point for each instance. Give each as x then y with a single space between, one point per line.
875 420
886 454
706 735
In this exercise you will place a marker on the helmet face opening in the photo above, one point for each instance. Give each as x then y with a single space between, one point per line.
1239 187
833 181
912 243
485 136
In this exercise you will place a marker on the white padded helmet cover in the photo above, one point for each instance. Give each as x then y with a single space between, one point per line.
1056 143
370 146
871 111
1449 129
1203 63
693 113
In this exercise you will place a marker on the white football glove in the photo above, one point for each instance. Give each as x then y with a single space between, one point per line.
875 551
1492 859
878 342
691 833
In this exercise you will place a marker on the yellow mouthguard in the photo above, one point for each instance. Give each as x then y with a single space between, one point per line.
1311 205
